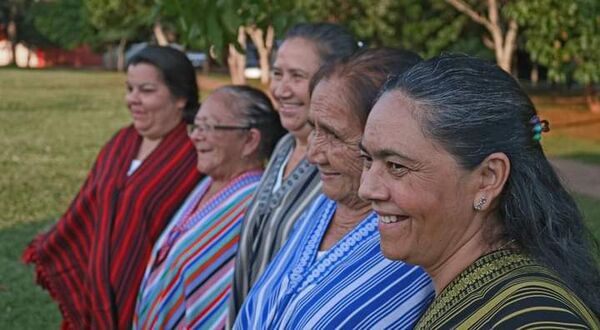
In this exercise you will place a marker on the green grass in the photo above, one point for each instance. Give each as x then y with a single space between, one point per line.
52 125
561 145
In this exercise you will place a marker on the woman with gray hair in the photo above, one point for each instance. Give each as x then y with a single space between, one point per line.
187 283
454 167
290 183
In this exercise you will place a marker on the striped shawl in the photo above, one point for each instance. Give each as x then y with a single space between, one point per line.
92 261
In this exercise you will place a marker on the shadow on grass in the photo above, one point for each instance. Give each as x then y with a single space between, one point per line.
586 157
590 207
23 304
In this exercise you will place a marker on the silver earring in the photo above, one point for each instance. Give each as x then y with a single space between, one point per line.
480 204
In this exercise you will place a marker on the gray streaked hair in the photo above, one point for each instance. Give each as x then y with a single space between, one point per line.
257 111
472 109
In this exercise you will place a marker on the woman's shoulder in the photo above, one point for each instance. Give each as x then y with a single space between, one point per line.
507 290
534 295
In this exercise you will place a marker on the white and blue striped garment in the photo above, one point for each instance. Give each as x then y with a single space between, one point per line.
351 286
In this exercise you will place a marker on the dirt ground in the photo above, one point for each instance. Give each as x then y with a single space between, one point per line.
570 116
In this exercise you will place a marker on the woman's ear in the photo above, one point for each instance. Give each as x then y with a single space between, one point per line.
252 143
493 173
180 103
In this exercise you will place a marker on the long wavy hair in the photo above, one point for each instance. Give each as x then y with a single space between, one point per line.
473 109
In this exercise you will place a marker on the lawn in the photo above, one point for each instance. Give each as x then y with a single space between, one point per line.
574 131
52 124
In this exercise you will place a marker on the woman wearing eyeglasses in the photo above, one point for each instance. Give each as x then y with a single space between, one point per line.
187 282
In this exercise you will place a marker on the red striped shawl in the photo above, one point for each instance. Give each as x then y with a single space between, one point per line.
92 261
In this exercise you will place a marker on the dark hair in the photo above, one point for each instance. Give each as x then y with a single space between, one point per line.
257 111
332 41
473 109
363 74
177 72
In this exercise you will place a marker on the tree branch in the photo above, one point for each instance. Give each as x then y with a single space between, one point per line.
464 8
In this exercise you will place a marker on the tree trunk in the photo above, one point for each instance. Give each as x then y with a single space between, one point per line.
535 74
12 32
236 60
503 43
159 34
591 97
121 55
264 45
206 66
110 63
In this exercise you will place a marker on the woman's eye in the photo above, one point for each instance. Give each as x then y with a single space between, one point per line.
397 169
367 160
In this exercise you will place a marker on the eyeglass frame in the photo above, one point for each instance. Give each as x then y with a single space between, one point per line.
191 128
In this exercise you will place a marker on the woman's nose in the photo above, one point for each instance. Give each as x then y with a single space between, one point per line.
314 152
131 96
281 89
371 187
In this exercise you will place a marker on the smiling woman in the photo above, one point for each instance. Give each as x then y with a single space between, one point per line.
454 168
92 260
187 283
290 183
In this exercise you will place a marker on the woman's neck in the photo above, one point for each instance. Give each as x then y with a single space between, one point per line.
298 154
447 269
219 183
146 148
344 221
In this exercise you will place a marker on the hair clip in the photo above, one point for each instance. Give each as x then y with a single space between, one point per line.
539 126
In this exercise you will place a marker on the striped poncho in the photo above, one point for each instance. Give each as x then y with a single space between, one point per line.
351 286
92 261
187 283
507 290
271 217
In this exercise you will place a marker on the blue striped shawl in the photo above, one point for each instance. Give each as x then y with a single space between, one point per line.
351 286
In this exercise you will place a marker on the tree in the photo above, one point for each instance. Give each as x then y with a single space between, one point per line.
64 22
120 21
564 36
223 27
427 27
502 29
18 28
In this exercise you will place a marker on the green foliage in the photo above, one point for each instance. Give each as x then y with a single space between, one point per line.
120 19
64 22
209 24
427 27
563 36
432 27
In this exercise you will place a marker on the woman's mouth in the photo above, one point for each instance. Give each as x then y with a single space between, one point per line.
392 218
289 108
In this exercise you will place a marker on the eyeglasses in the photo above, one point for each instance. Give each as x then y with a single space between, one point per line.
205 127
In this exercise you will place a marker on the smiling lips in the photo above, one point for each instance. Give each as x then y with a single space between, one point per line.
289 108
391 218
